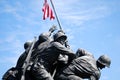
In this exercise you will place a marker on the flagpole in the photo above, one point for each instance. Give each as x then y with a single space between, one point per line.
56 15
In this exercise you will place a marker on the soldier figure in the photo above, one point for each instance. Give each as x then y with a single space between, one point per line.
84 67
15 72
42 68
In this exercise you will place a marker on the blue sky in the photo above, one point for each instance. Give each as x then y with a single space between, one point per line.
90 24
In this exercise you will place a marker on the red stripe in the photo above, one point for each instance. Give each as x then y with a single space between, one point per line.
47 11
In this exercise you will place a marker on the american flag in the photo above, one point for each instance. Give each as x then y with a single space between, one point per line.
47 11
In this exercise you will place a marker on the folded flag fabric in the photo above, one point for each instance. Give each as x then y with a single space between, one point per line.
47 11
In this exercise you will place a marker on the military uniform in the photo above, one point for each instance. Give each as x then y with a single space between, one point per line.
50 55
80 68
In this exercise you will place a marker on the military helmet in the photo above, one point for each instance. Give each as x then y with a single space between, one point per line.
43 37
27 44
104 60
59 35
80 52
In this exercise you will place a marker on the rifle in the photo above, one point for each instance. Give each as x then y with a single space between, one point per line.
27 60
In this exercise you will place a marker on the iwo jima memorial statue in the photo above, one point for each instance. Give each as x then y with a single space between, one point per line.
50 58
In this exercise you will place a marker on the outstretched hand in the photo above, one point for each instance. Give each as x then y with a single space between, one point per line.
53 28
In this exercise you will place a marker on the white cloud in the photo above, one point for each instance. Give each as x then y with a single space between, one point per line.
77 12
79 17
22 13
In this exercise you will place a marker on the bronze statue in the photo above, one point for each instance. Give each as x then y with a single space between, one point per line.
84 67
49 56
52 59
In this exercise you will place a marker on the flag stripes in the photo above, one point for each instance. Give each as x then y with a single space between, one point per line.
47 11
